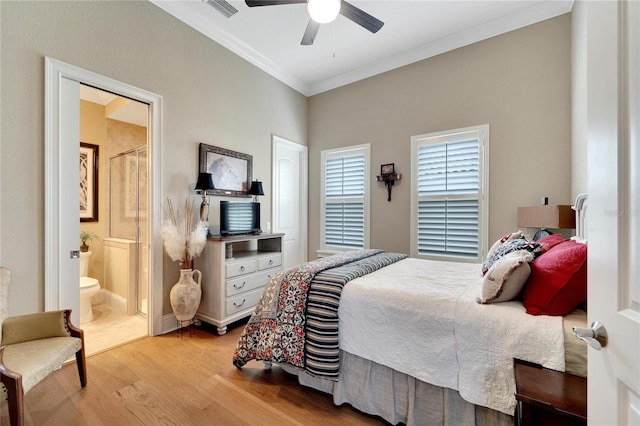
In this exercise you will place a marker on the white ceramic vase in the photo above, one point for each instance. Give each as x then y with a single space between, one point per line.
185 295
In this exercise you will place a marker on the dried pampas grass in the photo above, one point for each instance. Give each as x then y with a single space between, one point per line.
182 240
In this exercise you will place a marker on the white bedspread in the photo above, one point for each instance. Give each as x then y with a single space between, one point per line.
420 317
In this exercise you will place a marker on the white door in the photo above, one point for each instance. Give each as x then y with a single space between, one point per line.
68 208
613 230
289 211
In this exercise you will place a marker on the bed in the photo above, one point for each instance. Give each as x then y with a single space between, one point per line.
418 341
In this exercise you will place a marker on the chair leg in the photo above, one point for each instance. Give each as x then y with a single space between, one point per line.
13 383
80 355
15 401
82 366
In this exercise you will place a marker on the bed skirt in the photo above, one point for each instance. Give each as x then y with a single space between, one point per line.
398 398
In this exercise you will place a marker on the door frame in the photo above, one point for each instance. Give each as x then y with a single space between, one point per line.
304 202
55 71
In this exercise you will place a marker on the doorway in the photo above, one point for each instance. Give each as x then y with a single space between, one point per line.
113 310
62 117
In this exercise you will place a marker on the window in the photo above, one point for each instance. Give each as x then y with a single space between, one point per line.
449 198
345 198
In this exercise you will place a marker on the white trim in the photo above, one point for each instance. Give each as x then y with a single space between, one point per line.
483 190
326 253
339 152
169 323
54 71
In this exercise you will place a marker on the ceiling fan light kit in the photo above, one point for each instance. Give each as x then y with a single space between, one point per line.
323 11
341 7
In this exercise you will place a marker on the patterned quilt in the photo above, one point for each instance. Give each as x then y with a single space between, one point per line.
296 321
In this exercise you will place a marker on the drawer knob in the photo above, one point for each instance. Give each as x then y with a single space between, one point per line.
240 286
242 269
270 261
239 305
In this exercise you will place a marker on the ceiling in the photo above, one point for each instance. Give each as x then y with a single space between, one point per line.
117 107
344 52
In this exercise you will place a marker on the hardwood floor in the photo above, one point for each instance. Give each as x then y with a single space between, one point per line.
186 380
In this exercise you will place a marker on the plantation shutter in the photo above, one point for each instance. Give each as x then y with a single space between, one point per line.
344 201
448 198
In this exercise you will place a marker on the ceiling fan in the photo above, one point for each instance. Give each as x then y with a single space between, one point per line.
346 9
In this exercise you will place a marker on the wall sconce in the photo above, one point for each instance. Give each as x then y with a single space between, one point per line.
255 190
205 183
388 175
546 217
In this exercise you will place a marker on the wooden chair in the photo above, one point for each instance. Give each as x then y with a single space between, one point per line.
31 347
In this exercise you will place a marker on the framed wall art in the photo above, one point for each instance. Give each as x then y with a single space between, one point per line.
230 170
88 182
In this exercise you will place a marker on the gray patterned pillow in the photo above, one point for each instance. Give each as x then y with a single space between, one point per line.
533 247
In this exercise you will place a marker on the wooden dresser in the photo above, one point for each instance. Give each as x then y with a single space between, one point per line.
231 286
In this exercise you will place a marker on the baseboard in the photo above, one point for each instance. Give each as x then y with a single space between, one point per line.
169 323
114 301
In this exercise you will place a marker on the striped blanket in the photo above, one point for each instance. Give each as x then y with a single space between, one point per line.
296 321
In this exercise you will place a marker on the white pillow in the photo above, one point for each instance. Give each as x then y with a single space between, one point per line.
506 277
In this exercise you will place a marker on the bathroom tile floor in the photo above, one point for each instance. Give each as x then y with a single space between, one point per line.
110 329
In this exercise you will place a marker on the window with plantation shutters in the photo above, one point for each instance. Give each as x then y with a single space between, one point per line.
448 192
345 205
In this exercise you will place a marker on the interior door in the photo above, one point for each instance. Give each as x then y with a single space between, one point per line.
69 201
289 203
613 115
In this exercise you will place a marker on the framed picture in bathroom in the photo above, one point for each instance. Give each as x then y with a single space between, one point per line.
88 182
230 170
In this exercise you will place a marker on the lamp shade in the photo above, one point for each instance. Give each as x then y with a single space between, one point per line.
554 217
256 188
205 182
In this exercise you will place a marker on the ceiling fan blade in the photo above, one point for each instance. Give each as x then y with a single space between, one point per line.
254 3
360 17
223 7
310 33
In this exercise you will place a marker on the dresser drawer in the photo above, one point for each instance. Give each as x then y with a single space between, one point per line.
246 283
240 268
270 261
243 301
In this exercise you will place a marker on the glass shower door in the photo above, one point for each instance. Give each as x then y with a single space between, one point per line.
128 213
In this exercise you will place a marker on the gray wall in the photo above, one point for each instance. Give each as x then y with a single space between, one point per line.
579 99
519 83
210 95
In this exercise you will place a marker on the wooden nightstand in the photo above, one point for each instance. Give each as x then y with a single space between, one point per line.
549 397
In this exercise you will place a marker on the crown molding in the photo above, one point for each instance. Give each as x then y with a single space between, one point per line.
191 14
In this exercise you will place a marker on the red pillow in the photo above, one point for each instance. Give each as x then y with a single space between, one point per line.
551 241
558 280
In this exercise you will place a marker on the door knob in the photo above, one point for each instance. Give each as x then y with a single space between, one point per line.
595 336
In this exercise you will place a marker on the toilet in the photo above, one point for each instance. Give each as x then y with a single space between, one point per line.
88 288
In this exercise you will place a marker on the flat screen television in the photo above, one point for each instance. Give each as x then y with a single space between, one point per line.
239 218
